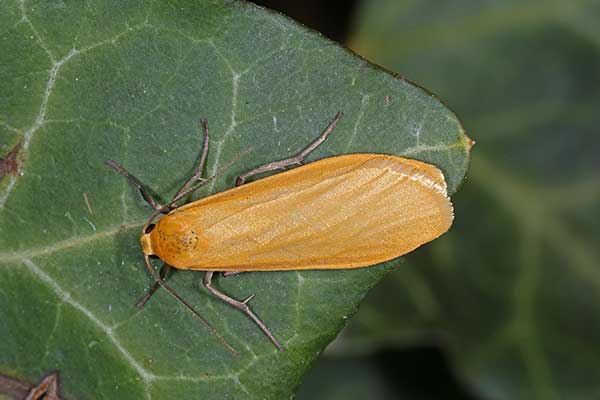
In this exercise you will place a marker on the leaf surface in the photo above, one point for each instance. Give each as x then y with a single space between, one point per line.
86 82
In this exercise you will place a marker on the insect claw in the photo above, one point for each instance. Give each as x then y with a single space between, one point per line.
142 301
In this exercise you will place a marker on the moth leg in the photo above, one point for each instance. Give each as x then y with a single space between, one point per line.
297 159
133 181
240 305
230 273
200 167
164 272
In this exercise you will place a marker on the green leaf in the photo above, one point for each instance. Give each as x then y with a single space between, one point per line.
85 82
512 291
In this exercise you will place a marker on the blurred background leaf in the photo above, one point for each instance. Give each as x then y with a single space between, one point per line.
511 295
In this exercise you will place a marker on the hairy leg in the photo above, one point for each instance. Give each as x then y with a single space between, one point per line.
295 160
240 305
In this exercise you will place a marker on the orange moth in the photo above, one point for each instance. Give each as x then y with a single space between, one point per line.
348 211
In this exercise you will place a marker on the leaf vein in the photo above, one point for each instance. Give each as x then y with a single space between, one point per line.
67 298
361 113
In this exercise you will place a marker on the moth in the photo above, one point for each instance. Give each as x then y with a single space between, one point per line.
347 211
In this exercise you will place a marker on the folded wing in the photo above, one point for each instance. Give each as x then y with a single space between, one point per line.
341 212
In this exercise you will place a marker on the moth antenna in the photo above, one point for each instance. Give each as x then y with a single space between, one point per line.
207 180
191 309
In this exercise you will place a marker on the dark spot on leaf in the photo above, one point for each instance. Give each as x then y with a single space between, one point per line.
9 164
47 388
